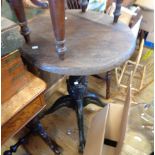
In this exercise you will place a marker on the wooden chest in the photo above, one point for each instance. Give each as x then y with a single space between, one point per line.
14 75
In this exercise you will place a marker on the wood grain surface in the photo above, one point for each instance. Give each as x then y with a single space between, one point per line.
94 44
18 121
17 102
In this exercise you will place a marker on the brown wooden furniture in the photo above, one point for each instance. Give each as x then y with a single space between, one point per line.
23 103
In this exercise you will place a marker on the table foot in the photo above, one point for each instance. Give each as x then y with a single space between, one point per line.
14 147
93 99
64 101
79 114
36 127
84 4
117 11
18 8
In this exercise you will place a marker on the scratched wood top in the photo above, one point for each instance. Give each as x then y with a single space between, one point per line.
94 44
16 103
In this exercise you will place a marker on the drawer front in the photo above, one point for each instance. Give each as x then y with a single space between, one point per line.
16 123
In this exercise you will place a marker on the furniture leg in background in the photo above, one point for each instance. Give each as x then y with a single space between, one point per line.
108 81
18 8
36 128
117 11
84 4
57 10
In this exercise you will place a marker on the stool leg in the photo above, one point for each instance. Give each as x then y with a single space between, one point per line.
117 11
84 4
79 113
93 100
18 8
57 10
108 79
36 127
64 101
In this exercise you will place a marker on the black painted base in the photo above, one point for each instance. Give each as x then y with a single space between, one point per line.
35 128
77 99
14 147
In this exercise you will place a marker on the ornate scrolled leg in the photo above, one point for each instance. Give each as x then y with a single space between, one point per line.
79 113
36 127
57 10
64 101
84 4
18 8
93 99
43 5
117 11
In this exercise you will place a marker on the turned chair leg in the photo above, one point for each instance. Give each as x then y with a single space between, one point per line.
84 4
57 11
117 11
18 8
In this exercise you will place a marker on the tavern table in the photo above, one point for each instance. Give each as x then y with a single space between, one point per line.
95 45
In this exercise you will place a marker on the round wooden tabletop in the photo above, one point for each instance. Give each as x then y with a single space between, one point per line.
94 44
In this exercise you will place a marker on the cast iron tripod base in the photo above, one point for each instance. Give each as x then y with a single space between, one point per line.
77 99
